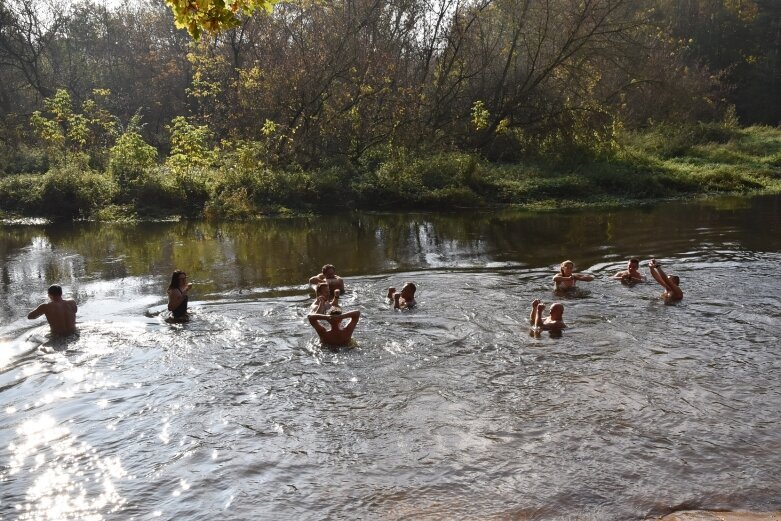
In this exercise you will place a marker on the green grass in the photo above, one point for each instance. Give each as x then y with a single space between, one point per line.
661 163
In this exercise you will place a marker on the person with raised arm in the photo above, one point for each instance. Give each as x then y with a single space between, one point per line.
670 283
404 299
321 305
553 322
337 335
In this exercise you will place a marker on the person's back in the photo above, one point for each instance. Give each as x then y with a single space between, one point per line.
60 313
337 335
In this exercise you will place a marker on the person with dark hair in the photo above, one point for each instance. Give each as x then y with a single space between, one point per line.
60 313
566 278
631 274
404 299
329 276
553 322
670 283
336 335
177 294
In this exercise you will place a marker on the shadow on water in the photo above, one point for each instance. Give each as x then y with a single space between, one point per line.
452 410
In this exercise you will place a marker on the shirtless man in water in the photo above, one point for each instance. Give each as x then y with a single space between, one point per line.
553 322
670 283
60 313
404 299
631 274
328 275
337 335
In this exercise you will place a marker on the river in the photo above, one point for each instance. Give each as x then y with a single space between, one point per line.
450 411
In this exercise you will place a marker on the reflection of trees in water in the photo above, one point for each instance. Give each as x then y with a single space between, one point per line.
278 252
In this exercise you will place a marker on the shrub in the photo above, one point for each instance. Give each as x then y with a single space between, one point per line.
21 193
72 190
129 160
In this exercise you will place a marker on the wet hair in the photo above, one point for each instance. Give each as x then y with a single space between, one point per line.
561 267
676 279
326 266
411 285
634 260
557 306
55 290
321 286
175 279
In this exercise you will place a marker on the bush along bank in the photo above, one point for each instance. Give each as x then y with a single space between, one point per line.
235 181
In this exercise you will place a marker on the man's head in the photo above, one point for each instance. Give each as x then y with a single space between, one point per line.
633 264
675 279
55 291
329 271
557 311
408 290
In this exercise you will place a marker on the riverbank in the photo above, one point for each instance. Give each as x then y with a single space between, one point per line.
665 162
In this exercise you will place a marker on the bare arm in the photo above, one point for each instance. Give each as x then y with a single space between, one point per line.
580 276
671 286
396 300
315 319
335 301
315 280
37 312
659 276
533 314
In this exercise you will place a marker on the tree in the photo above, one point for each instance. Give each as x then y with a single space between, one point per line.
214 16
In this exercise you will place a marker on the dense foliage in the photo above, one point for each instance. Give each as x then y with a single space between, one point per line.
318 105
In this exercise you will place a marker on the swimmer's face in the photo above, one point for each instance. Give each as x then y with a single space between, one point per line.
633 265
567 268
556 311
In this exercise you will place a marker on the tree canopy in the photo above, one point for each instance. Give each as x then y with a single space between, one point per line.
213 16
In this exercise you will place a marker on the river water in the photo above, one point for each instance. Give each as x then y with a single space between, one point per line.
451 411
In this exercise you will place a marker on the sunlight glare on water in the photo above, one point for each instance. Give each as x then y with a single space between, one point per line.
450 411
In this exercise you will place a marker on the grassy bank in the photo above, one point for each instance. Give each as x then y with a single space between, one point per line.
237 183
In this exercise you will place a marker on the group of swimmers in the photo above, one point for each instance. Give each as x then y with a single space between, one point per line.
328 287
567 278
325 310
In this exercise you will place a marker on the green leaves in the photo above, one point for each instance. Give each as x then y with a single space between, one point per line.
213 16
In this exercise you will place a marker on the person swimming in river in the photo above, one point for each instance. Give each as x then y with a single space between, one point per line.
321 305
671 283
566 278
329 276
177 295
337 335
60 313
631 274
404 299
553 322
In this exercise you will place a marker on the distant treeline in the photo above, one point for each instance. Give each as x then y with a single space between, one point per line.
321 100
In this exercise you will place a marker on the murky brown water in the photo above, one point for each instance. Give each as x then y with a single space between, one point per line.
451 411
